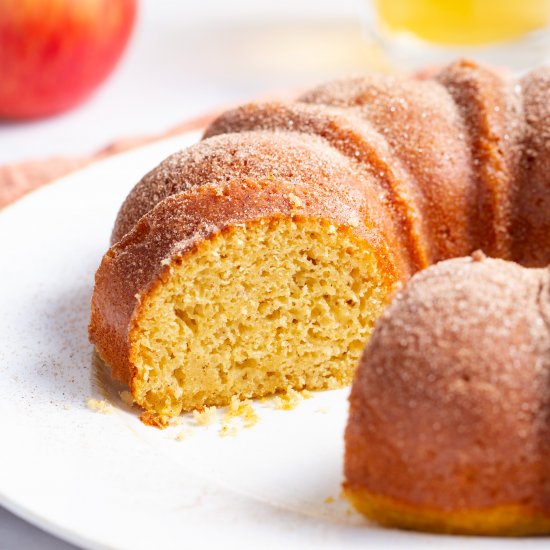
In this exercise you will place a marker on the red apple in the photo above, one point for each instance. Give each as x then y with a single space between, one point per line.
53 53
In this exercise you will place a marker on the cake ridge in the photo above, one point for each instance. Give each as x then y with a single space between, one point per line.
352 136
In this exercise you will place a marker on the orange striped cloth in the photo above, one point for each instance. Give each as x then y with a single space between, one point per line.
20 178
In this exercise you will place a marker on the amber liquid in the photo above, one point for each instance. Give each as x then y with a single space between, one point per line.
464 22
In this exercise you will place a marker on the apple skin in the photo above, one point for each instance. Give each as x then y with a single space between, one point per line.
53 53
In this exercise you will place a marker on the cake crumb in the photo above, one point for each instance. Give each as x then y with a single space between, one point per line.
155 420
242 409
99 405
329 500
238 410
127 398
228 430
322 410
288 401
206 417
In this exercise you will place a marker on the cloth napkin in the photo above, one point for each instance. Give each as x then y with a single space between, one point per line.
21 178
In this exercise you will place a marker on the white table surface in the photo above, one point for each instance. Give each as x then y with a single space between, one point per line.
185 58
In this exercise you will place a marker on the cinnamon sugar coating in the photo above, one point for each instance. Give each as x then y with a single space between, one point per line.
426 135
450 408
367 150
459 161
278 156
531 218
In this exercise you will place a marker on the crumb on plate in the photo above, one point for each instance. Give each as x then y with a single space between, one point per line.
99 405
242 409
155 420
290 399
206 417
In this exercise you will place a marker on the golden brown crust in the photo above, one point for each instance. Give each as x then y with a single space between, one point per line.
506 520
154 420
531 215
182 222
491 109
295 158
450 405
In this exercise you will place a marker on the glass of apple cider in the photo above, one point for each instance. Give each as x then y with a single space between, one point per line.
511 33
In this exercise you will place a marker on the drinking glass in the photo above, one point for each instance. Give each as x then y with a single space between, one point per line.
508 33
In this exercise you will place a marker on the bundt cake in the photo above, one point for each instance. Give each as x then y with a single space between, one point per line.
259 259
449 426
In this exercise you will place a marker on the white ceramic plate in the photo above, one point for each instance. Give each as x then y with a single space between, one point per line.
106 480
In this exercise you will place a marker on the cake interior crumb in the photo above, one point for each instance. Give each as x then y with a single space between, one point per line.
311 308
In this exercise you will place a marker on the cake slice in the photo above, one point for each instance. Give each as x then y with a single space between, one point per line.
247 287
